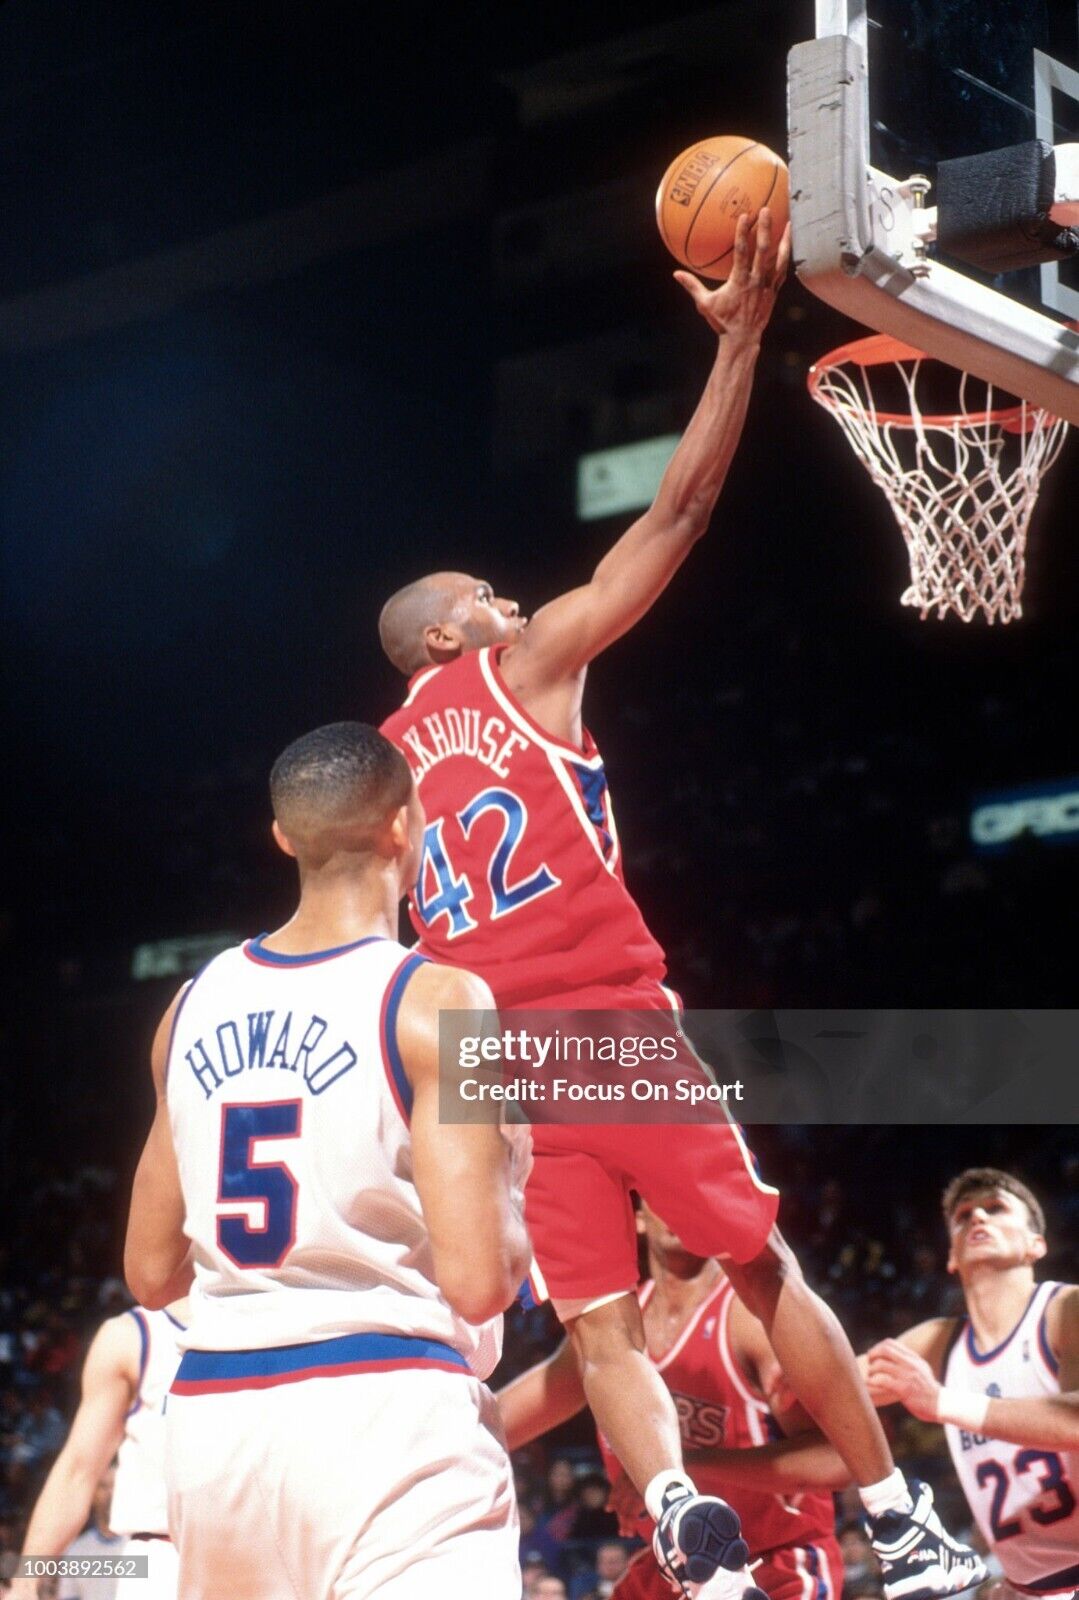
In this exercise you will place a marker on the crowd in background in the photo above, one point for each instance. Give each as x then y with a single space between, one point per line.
869 1237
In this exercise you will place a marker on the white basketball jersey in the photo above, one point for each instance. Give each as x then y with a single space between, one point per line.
289 1108
1025 1501
138 1499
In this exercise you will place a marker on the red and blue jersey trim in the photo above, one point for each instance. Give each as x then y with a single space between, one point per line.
144 1354
1044 1346
255 950
396 1076
225 1371
990 1355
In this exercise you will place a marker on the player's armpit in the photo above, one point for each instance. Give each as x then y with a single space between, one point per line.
788 1466
463 1171
1062 1327
541 1398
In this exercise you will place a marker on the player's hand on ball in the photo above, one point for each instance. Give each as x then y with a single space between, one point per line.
897 1374
744 303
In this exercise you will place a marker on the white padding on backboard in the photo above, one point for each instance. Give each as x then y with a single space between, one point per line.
1065 207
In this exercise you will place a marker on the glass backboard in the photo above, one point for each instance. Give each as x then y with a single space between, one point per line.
950 78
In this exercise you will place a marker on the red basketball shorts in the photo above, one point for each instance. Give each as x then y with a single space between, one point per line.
700 1178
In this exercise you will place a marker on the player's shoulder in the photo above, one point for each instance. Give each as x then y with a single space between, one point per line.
933 1339
434 985
117 1345
1062 1319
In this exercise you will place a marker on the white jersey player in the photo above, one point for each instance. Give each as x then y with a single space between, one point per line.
1003 1379
129 1366
328 1431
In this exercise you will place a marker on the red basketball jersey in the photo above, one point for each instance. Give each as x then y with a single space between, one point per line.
716 1407
521 875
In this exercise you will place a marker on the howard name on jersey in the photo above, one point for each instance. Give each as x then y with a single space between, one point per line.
716 1407
521 875
289 1106
1025 1501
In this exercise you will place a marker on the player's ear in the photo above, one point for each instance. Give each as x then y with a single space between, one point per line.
1037 1247
400 834
442 641
280 840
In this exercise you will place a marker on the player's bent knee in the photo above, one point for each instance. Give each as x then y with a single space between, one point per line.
603 1329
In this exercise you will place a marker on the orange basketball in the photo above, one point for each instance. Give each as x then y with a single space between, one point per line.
704 192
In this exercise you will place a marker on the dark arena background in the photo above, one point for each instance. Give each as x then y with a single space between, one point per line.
300 302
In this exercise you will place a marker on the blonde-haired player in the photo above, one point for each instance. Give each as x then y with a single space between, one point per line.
1003 1379
129 1366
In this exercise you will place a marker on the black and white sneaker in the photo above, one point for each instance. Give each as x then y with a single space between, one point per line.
918 1559
699 1546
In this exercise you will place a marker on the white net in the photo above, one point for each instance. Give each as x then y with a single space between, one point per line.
962 486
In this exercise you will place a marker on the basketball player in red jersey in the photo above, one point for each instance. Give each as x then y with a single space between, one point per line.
520 879
720 1369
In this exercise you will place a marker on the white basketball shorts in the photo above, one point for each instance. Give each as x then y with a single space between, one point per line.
301 1474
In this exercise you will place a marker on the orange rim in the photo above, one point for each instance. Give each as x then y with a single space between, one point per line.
880 348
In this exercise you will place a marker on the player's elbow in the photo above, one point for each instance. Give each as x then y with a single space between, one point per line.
479 1296
147 1290
479 1290
152 1278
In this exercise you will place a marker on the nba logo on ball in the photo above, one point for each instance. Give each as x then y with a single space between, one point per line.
707 188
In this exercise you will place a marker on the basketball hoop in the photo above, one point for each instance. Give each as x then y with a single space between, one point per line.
962 483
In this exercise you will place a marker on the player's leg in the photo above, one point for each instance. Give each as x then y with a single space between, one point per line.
701 1179
581 1222
816 1358
448 1528
625 1392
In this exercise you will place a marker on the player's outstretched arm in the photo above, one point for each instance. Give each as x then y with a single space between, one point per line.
538 1400
110 1379
468 1176
1046 1422
157 1253
787 1466
564 636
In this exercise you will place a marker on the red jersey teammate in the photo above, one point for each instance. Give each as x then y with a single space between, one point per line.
520 880
719 1367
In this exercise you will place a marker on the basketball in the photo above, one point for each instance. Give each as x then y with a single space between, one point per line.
707 188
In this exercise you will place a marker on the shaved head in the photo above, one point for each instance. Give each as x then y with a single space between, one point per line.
408 614
335 788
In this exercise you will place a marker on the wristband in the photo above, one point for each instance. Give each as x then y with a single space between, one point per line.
962 1409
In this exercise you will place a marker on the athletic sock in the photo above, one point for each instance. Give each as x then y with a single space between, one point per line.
665 1489
890 1494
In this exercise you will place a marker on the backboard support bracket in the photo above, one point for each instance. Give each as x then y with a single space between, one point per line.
842 243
